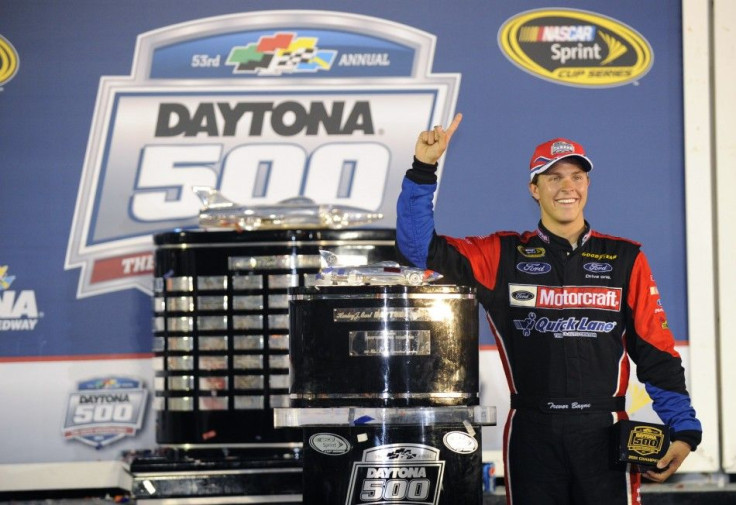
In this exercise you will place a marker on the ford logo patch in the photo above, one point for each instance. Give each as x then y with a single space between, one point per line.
522 296
533 268
598 267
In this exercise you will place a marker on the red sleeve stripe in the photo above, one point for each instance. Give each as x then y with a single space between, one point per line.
508 428
502 354
650 320
613 237
483 254
624 370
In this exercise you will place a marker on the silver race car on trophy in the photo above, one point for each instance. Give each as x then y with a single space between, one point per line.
381 273
298 212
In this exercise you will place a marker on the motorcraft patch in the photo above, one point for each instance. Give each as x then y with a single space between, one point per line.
565 297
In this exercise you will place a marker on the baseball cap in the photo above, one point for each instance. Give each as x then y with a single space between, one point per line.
546 154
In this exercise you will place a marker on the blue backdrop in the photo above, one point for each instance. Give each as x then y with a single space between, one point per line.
633 133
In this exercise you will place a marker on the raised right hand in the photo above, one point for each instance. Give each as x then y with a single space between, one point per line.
433 143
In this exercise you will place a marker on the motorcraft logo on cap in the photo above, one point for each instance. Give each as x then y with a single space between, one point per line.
262 106
575 47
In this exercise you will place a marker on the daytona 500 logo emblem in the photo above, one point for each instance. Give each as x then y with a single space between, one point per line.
104 410
234 103
397 474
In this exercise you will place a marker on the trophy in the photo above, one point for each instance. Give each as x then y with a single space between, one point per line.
299 212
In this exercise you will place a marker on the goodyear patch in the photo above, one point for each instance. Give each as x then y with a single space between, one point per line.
575 47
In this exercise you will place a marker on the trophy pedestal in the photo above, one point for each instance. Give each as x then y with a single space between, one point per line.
361 455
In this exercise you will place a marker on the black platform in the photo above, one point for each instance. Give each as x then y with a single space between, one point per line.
652 494
215 475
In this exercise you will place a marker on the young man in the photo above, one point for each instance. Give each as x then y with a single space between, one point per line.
568 307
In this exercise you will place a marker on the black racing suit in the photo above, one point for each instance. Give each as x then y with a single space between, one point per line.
566 322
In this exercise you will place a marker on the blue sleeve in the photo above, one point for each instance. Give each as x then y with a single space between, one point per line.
674 409
415 221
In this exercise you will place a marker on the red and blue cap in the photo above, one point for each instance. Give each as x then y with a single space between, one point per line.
552 151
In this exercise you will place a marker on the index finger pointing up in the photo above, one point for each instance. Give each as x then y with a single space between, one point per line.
453 126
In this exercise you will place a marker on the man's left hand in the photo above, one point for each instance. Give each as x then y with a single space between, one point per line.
671 461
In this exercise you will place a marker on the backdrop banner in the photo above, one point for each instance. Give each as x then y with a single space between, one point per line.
112 111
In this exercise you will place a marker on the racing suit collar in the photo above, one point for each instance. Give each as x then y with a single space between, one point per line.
557 241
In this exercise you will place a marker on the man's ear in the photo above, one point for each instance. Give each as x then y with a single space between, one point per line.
534 191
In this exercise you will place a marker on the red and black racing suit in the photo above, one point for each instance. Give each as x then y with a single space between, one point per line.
566 322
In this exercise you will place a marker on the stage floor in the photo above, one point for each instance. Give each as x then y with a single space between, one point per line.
687 493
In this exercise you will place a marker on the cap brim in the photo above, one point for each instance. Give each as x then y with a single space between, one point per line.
588 165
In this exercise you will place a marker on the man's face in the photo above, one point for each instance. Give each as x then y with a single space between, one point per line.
562 192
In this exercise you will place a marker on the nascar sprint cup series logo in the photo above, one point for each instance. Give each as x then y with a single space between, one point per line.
575 47
8 61
261 106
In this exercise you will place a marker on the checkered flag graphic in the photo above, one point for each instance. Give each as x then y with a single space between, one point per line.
290 59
